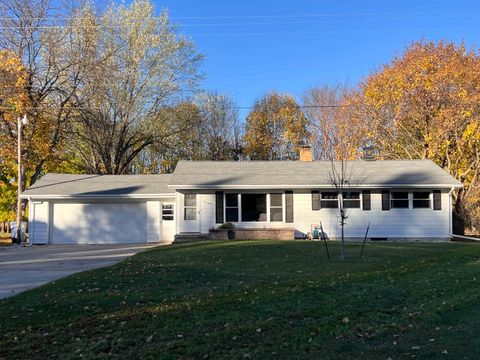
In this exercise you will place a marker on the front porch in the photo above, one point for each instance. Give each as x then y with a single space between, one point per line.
238 234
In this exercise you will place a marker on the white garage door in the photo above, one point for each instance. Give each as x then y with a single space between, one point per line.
99 223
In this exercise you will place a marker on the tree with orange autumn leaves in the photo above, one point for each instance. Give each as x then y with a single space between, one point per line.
37 145
425 105
275 129
13 100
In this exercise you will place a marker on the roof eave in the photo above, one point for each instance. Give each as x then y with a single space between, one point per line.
311 186
97 196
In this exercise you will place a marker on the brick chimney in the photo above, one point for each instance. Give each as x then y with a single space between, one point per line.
306 153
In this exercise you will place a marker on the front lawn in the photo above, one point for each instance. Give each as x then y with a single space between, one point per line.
257 300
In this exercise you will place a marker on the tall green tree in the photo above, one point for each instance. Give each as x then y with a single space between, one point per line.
276 128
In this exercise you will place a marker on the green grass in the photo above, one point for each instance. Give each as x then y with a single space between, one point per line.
257 300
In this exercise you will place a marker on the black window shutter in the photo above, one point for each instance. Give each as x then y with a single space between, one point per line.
219 207
366 202
385 200
315 200
437 200
289 206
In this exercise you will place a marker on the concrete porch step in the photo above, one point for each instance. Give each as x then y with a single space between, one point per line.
189 237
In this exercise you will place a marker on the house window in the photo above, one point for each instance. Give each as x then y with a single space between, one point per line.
399 200
167 212
190 206
421 199
276 207
231 207
351 200
254 207
329 200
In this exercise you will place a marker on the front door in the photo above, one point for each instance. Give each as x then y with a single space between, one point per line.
191 214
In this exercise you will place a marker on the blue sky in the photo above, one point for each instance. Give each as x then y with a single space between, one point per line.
252 47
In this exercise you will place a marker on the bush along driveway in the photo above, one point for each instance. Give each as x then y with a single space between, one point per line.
257 300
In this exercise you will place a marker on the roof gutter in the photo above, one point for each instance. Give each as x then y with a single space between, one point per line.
112 196
312 186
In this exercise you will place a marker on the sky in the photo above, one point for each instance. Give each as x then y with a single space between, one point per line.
253 47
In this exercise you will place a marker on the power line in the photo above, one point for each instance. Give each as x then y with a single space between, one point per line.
56 26
288 16
233 107
325 15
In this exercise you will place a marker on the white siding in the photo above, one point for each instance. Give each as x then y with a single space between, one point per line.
395 223
38 226
398 223
154 221
207 214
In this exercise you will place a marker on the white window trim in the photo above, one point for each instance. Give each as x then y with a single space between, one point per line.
240 220
282 194
360 199
172 209
239 207
409 199
190 207
430 199
338 199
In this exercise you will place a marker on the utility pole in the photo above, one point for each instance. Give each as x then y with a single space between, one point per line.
21 121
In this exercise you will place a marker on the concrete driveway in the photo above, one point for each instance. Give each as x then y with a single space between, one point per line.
23 268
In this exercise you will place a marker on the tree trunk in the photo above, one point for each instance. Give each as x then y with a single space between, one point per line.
342 249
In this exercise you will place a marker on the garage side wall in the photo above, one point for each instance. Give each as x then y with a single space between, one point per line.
153 221
38 222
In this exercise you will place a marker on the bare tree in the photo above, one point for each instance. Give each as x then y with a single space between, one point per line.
339 179
220 129
344 178
181 124
334 131
207 129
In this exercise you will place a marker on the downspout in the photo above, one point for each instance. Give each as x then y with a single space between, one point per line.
450 211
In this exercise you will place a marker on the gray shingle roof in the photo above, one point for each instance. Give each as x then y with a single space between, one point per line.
99 185
386 173
244 174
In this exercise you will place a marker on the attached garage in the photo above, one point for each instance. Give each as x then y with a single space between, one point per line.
98 223
101 209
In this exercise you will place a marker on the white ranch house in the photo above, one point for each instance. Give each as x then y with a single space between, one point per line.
402 200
